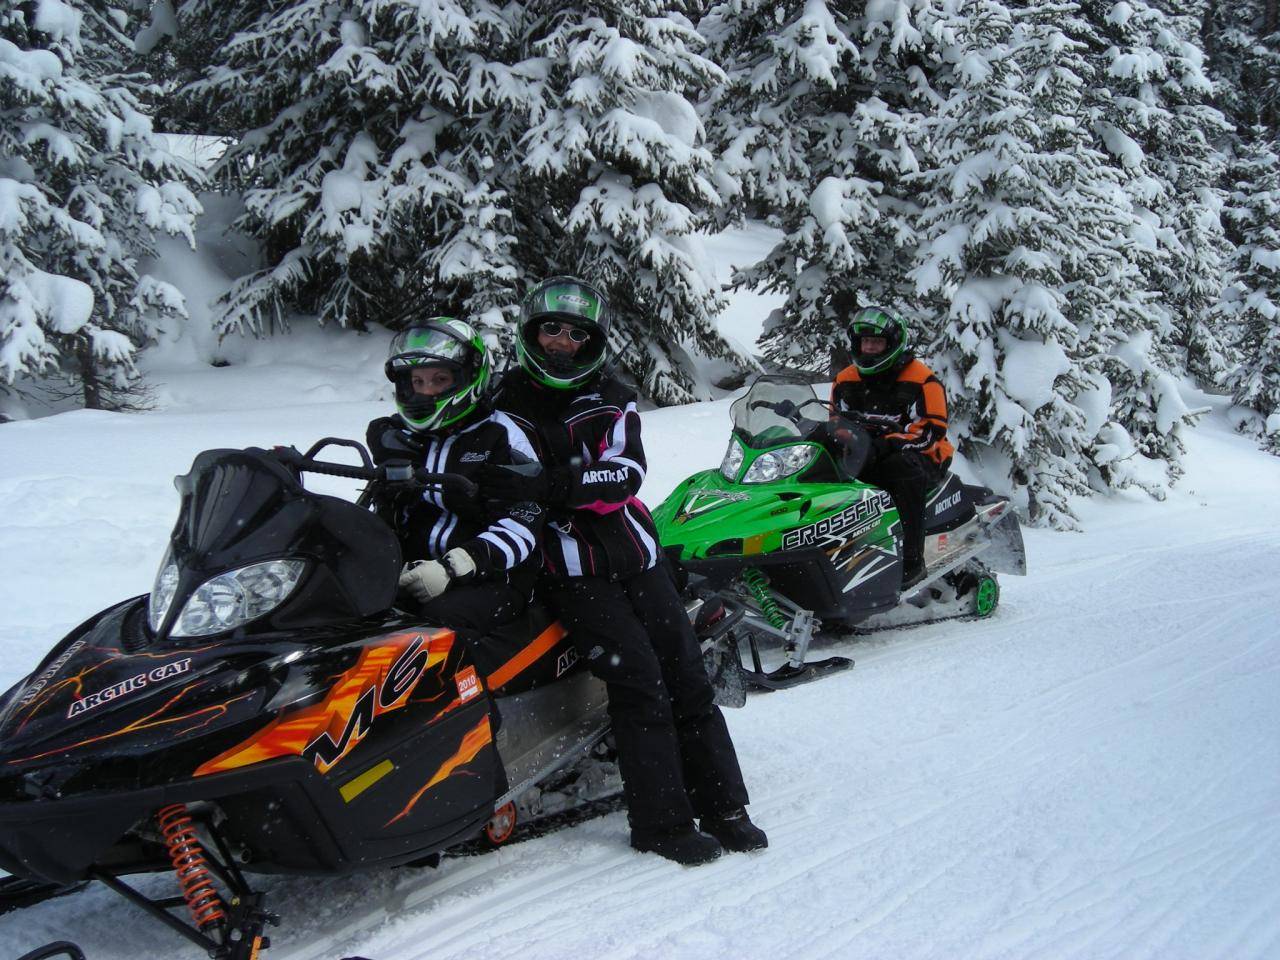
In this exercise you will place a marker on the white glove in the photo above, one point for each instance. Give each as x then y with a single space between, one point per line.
424 580
460 564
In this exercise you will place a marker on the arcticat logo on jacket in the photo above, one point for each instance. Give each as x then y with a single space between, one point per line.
615 475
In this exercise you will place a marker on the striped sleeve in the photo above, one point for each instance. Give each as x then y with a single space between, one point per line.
514 528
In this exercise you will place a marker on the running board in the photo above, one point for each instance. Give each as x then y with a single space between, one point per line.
788 675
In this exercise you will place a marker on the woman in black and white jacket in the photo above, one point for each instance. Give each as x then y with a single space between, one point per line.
469 563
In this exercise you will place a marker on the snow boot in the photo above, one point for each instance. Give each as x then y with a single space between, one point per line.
913 571
683 844
735 831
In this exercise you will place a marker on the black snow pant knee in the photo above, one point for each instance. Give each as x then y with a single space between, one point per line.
479 606
674 750
906 476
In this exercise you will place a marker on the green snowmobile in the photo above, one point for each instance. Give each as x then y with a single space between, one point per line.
792 544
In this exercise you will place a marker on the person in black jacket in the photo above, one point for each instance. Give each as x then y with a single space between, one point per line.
609 582
469 563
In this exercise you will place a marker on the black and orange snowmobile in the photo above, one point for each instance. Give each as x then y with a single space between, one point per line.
268 709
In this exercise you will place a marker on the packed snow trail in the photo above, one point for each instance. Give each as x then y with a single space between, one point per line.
1094 772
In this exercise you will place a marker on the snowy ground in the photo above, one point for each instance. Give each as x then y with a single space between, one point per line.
1092 773
1095 772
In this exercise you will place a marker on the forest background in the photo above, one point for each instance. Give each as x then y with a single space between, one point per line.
1076 205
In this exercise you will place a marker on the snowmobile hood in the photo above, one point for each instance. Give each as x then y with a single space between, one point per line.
94 699
708 517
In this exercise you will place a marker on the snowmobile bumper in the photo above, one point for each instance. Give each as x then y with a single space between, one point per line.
1006 553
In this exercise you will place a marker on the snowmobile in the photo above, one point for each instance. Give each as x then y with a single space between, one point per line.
794 544
267 709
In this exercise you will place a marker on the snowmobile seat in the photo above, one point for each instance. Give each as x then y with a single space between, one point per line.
530 651
947 506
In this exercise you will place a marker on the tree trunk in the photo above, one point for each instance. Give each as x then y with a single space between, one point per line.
89 378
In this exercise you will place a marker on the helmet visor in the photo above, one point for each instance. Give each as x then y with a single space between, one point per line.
428 345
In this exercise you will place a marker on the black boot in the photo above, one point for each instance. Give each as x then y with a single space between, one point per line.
735 831
683 844
913 571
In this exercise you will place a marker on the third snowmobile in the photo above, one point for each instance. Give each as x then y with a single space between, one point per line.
794 544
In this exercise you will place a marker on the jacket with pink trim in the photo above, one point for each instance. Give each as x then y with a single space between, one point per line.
589 442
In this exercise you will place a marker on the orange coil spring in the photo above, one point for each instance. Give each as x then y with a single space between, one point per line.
188 861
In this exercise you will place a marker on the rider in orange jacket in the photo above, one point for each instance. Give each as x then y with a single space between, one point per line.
901 404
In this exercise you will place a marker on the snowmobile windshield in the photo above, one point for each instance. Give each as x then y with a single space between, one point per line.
778 410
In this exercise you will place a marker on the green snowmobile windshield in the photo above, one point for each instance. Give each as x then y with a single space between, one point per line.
777 409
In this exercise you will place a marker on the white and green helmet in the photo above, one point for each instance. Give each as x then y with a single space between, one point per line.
439 342
575 303
877 322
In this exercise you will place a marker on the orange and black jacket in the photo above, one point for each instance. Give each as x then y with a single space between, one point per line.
904 405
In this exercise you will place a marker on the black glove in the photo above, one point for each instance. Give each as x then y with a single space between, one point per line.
881 447
512 482
387 439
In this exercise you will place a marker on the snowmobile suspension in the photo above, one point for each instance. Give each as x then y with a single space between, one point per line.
190 865
758 584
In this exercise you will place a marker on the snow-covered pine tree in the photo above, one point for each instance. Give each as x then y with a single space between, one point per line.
1250 308
178 40
373 135
1242 45
615 179
814 132
84 185
1159 124
1135 412
409 159
1001 183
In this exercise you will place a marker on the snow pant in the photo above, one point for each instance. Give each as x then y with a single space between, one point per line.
479 606
674 751
906 476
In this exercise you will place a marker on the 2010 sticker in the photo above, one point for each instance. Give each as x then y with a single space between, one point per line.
468 684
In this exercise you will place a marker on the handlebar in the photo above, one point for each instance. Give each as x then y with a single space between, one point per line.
393 471
787 409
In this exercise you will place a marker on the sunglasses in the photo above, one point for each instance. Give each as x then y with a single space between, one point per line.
553 329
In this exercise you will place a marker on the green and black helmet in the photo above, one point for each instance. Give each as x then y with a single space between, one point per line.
442 344
882 323
563 303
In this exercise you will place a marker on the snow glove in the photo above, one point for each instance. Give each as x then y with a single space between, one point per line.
388 439
512 482
424 580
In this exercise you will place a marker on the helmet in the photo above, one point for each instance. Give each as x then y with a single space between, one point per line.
440 342
569 301
877 322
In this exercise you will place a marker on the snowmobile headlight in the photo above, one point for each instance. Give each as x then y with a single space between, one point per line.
232 599
162 591
780 463
732 461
